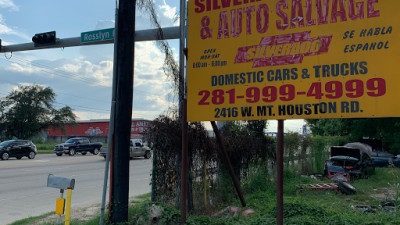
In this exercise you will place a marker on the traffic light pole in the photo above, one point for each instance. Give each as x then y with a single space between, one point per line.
141 35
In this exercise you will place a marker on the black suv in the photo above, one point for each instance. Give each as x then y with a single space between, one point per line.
17 149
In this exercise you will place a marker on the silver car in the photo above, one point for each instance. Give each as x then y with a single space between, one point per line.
137 149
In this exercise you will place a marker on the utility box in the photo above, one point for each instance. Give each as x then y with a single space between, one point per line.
60 182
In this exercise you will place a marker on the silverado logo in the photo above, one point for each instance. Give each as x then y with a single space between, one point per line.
283 49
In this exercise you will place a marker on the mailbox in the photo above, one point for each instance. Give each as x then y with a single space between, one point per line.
60 182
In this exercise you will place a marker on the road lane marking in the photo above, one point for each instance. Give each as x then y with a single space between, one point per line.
44 162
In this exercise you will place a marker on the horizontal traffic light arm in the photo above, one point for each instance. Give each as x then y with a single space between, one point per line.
141 35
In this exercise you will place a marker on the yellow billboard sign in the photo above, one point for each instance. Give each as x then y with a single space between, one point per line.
283 59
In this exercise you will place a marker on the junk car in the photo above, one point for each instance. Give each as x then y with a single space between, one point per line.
380 157
385 159
351 160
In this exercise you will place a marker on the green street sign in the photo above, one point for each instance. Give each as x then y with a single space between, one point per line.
97 35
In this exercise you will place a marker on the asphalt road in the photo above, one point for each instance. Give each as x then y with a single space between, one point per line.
23 183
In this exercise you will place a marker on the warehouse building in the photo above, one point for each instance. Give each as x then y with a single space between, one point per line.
96 130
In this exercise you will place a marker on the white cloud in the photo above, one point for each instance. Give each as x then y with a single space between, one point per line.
25 84
84 115
6 30
168 11
147 55
166 16
100 74
148 64
8 4
19 68
159 100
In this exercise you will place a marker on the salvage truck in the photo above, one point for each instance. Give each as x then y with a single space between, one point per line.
77 145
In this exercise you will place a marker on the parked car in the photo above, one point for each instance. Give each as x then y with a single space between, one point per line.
77 145
17 149
385 159
137 149
351 160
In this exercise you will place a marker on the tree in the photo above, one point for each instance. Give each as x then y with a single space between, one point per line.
330 127
385 129
28 109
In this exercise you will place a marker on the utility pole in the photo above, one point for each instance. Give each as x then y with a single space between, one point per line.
123 111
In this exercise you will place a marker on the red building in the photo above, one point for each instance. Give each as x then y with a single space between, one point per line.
95 130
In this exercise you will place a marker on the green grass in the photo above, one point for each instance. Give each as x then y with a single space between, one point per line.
29 220
300 206
46 148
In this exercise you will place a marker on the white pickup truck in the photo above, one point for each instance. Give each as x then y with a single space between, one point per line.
137 149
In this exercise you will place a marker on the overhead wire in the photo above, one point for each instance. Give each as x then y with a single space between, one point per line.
69 75
58 72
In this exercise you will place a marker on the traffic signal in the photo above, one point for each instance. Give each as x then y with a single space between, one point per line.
43 39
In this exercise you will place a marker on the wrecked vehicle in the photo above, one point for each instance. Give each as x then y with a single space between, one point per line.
351 160
385 159
380 157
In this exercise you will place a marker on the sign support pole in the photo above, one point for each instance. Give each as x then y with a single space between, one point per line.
279 183
226 159
111 126
185 164
183 112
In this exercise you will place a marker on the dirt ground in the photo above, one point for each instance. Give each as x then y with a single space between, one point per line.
384 194
81 213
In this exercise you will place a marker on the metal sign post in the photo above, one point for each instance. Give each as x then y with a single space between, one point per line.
279 168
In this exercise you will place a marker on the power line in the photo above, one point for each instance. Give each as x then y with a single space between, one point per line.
94 110
69 75
56 71
61 73
84 107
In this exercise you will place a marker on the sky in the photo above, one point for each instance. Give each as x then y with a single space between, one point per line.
81 76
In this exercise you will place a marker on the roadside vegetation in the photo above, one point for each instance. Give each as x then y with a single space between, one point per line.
29 109
212 196
45 147
48 147
300 206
